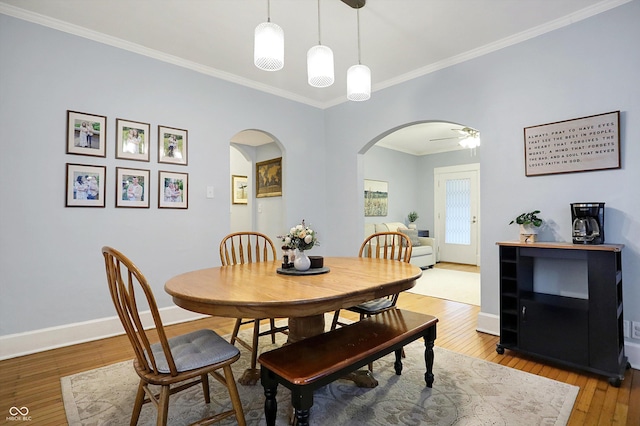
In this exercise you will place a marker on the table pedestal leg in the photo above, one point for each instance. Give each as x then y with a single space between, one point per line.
304 327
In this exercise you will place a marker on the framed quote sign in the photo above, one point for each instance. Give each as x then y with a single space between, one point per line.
578 145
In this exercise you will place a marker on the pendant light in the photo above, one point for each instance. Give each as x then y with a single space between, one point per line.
320 62
358 76
268 48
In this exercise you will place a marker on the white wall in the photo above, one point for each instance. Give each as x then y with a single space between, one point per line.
52 272
241 217
588 68
52 268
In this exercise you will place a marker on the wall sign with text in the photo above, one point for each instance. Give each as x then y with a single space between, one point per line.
578 145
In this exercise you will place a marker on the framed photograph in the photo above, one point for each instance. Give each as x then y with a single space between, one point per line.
85 185
269 178
86 134
172 145
132 188
173 190
132 140
239 189
578 145
376 197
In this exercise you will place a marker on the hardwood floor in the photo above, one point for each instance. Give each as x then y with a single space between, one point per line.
33 381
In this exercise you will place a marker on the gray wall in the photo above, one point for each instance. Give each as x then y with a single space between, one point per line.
52 269
588 68
52 272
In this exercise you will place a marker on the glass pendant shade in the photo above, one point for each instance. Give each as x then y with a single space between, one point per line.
358 83
268 49
320 66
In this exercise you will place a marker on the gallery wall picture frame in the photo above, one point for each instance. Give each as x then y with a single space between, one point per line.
173 145
132 140
86 134
85 185
173 190
577 145
269 178
376 197
132 188
239 189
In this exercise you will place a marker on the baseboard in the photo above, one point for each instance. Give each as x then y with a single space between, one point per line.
15 345
488 323
632 351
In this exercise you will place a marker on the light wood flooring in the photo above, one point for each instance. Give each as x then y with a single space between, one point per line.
33 381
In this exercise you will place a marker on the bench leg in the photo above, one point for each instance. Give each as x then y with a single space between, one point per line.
428 360
302 417
270 386
398 364
302 401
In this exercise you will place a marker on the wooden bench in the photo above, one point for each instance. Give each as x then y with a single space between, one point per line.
317 361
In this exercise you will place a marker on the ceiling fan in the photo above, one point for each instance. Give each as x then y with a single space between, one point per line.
465 133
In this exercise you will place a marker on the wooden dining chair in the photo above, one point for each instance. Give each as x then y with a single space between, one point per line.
380 245
249 247
174 363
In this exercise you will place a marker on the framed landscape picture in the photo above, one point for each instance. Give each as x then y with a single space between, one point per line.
86 134
172 145
132 188
269 178
239 189
85 185
173 190
376 197
132 140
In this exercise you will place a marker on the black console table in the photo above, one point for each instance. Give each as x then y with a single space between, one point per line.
582 332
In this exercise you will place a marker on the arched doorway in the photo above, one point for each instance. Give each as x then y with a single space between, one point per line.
247 148
407 158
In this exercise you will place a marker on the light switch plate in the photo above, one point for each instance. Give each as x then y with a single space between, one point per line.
209 191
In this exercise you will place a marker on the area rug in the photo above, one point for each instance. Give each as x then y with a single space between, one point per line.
466 391
446 284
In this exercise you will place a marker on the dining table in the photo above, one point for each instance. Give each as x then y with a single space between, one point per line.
265 290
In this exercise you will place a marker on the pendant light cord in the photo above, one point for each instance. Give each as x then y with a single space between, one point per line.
268 10
319 42
358 15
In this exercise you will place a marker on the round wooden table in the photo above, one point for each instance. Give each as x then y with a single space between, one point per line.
256 290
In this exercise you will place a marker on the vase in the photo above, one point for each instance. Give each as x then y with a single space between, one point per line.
528 233
302 261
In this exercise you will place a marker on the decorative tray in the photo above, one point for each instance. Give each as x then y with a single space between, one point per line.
312 271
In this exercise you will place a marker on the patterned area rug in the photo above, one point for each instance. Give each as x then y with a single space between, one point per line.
466 391
450 285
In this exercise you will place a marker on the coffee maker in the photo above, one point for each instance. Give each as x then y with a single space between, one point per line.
588 223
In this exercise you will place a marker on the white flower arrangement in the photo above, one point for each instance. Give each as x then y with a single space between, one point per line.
300 237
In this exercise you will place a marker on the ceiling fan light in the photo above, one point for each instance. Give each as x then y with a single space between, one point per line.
470 142
358 83
268 50
320 66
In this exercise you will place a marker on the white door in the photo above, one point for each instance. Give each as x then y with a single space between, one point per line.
457 213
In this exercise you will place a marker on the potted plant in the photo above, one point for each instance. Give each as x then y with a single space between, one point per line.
529 224
413 216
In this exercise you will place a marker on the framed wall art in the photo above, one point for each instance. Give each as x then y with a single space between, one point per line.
376 197
85 185
269 178
172 145
132 140
239 189
173 190
578 145
132 188
86 134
